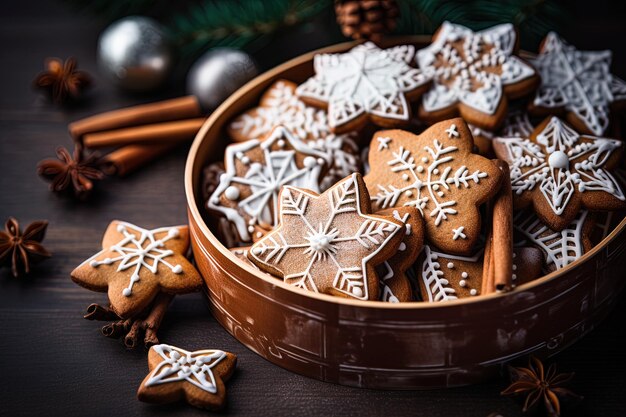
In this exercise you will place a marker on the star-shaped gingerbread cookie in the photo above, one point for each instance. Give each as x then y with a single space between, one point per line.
329 243
437 173
365 84
135 264
474 74
559 172
195 377
577 82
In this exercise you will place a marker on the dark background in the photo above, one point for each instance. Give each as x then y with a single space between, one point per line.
52 362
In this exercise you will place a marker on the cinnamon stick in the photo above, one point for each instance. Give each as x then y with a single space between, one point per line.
502 232
125 160
162 111
488 283
168 132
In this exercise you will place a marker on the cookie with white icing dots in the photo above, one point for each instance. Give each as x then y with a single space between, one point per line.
135 264
475 74
365 84
445 277
195 377
578 83
329 243
559 171
437 173
247 193
279 105
560 248
394 283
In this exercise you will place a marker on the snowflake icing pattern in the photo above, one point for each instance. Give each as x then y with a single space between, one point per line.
579 81
432 178
181 365
144 251
559 163
250 185
365 80
345 242
471 67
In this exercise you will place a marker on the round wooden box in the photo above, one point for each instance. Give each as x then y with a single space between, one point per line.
382 345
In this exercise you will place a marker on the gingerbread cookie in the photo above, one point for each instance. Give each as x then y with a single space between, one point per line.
560 248
559 171
135 264
445 277
365 84
475 74
578 83
329 243
394 284
436 173
247 194
280 106
195 377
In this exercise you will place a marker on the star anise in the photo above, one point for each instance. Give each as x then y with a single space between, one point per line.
19 249
77 171
61 80
540 386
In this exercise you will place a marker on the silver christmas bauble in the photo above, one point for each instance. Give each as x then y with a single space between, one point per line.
135 53
217 74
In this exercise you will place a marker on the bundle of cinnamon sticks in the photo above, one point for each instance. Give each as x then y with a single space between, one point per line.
139 134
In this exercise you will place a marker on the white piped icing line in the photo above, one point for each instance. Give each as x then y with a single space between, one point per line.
139 251
578 81
471 67
320 243
458 233
263 179
181 365
560 163
559 248
366 79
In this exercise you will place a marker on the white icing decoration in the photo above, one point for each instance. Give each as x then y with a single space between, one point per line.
139 251
232 193
282 107
264 179
560 248
367 80
557 178
383 143
579 81
318 241
181 365
450 265
475 73
452 132
437 285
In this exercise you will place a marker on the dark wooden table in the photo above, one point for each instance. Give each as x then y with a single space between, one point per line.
52 362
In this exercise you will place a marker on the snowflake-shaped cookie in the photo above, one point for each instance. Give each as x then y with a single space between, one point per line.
560 171
474 73
247 193
135 264
329 243
578 82
445 277
436 173
280 106
559 248
196 377
365 83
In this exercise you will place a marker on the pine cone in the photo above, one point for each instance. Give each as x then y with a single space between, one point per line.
366 19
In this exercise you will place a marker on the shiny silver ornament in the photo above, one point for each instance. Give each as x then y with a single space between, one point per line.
217 74
135 53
